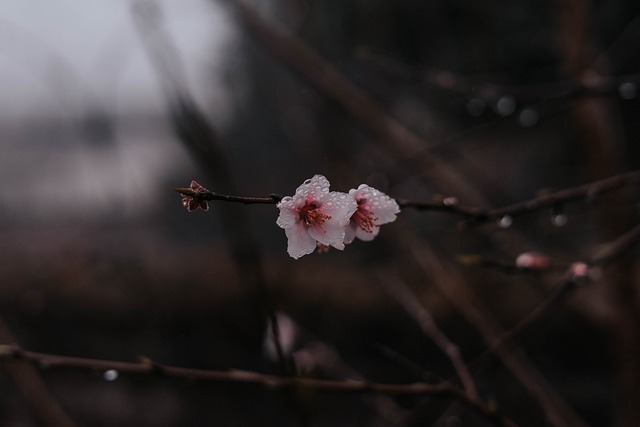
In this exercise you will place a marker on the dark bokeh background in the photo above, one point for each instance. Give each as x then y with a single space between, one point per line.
99 259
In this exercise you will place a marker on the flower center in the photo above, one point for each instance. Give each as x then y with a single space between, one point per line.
364 218
313 216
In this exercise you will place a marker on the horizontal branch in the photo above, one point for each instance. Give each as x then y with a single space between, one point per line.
474 87
208 195
272 382
148 367
589 191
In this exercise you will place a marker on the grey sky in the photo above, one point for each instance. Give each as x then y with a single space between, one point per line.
58 60
63 53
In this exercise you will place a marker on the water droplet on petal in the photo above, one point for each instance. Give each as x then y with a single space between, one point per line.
110 375
505 221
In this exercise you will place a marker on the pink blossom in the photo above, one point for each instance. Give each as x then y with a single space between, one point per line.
374 209
314 215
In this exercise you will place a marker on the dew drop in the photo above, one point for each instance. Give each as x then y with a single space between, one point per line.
110 375
628 90
505 106
505 221
475 107
528 118
559 220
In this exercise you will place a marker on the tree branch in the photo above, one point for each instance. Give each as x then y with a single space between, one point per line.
272 382
412 306
589 191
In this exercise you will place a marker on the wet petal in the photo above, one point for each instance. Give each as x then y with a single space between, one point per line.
313 189
289 215
300 243
350 232
330 234
340 207
367 235
383 207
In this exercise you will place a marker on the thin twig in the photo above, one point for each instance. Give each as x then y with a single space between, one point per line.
209 195
412 306
471 86
570 281
449 282
412 367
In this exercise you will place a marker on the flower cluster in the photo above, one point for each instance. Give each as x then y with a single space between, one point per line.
316 217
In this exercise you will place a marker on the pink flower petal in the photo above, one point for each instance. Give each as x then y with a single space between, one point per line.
300 243
289 215
367 236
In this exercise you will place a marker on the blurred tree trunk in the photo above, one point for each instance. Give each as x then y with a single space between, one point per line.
604 150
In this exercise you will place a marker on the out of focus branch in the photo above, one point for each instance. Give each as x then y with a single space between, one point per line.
564 90
412 306
575 275
271 382
29 383
392 135
452 285
200 137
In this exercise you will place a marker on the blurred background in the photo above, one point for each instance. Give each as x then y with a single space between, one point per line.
106 107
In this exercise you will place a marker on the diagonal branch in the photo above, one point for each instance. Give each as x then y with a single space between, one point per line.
575 275
412 306
28 381
452 285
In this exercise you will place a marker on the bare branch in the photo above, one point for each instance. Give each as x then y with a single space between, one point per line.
272 382
29 383
452 285
572 278
401 293
589 192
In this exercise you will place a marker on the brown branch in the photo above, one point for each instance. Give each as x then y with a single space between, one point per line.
271 382
452 285
47 410
572 278
589 191
470 86
275 382
418 370
389 133
209 195
412 306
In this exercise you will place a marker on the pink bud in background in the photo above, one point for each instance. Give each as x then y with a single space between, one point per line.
532 261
